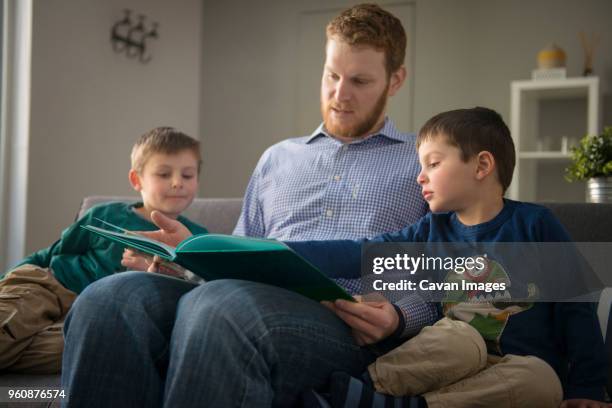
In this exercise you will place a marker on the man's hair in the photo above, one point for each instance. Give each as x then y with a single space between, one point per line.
369 25
473 131
165 140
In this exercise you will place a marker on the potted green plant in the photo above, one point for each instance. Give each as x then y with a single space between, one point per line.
592 161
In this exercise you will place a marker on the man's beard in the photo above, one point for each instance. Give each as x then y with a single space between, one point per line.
356 130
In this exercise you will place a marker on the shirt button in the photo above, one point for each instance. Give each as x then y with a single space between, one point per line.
337 177
329 213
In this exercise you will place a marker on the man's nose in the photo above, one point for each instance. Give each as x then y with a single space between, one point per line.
343 91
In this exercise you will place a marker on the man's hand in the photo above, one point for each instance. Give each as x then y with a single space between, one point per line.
584 403
371 321
170 232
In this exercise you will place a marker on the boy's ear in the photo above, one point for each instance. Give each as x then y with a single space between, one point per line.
135 180
485 164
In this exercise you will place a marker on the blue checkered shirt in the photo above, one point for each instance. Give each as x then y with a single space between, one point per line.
318 188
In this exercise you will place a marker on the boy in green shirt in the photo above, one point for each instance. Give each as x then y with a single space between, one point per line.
36 295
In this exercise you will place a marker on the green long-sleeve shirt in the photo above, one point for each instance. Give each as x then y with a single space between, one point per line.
79 257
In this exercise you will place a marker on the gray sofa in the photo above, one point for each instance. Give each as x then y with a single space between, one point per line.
585 222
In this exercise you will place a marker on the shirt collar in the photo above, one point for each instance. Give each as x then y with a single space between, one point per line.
388 130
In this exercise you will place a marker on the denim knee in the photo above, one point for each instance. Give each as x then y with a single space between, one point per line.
96 298
255 308
124 292
227 299
125 285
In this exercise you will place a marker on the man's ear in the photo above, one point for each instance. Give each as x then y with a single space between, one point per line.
397 80
485 164
135 180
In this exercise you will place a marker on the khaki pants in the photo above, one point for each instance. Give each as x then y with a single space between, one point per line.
448 364
33 305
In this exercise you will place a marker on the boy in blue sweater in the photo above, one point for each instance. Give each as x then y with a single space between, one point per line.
36 295
543 355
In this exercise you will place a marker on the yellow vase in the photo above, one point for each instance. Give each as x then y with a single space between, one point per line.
551 57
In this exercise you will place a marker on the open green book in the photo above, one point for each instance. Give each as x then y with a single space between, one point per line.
216 256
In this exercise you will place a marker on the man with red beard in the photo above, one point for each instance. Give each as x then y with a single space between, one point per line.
355 175
239 343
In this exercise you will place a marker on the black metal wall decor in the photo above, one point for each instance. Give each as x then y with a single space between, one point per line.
132 39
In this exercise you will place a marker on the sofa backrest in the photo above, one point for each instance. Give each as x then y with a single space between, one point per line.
216 214
586 222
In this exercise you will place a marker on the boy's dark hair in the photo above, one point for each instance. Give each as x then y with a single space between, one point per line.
165 140
370 25
473 131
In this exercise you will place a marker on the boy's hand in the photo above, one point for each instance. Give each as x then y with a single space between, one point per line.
170 232
371 321
584 403
134 260
158 265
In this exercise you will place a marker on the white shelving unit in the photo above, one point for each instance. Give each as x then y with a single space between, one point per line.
546 118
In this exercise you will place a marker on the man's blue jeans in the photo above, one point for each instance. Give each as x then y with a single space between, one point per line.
138 339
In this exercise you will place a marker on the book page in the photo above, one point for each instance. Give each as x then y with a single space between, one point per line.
138 242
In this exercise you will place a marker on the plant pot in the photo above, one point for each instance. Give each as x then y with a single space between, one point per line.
599 190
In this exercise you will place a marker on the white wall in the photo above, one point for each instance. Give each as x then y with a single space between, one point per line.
89 103
466 54
468 51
